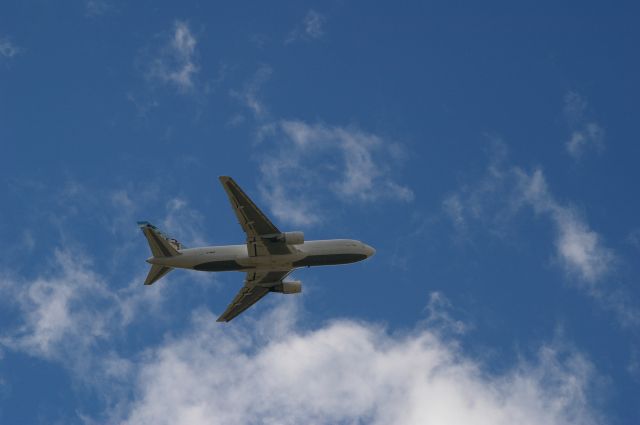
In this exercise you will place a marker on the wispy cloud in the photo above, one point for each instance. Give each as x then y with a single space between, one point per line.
176 63
183 222
586 134
68 310
143 106
349 372
506 189
53 312
249 95
298 159
313 24
440 317
494 200
579 249
95 8
8 49
72 307
311 28
633 237
485 200
351 164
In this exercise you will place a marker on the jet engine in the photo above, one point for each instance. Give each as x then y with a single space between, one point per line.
292 287
293 238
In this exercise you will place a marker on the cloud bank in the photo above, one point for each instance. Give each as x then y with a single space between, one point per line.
349 373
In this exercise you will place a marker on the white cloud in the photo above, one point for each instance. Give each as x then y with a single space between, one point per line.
69 310
579 249
264 369
494 200
311 28
342 372
8 49
66 312
348 163
348 372
505 190
439 315
300 163
176 63
586 134
72 316
298 210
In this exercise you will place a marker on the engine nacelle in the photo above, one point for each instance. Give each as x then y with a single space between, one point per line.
292 287
293 238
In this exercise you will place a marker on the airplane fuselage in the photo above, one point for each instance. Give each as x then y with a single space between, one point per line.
236 257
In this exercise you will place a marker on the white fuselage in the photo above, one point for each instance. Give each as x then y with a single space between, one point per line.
236 258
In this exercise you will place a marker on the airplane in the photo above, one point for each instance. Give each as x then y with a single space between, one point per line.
267 257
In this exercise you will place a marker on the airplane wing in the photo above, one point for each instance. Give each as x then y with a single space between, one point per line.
256 286
255 224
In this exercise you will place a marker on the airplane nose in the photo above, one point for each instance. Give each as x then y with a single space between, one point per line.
369 250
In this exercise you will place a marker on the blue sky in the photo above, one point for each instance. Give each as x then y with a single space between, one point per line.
487 151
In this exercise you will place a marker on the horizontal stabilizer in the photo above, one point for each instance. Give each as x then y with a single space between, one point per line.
156 273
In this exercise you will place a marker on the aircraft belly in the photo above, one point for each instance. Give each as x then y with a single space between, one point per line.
274 262
328 259
241 261
219 266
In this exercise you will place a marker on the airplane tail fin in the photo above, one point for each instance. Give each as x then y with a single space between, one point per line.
161 246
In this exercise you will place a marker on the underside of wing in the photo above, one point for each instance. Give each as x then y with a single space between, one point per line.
248 296
256 286
255 223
